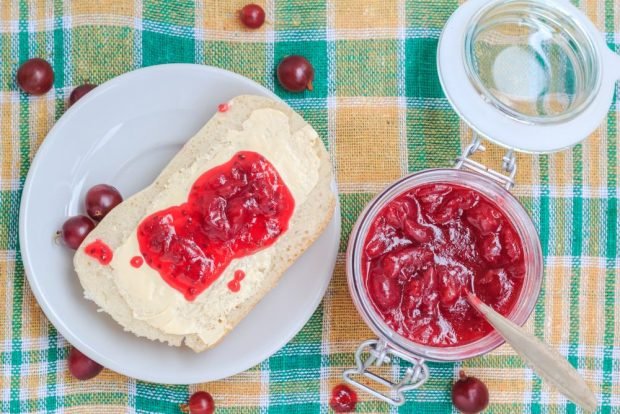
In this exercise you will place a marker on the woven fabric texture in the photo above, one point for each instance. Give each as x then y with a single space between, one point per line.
378 104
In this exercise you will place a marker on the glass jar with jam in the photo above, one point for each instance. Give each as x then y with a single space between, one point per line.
532 76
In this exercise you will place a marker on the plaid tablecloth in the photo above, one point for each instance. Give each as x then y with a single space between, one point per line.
378 104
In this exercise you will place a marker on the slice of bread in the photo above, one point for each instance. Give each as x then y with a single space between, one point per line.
308 221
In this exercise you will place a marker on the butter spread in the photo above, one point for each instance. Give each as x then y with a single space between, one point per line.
151 299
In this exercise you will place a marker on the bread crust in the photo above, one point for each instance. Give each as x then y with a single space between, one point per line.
309 220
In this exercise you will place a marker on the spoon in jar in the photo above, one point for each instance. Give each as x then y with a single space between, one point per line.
546 362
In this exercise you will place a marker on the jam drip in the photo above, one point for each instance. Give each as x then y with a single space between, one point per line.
427 247
233 210
136 261
100 251
235 284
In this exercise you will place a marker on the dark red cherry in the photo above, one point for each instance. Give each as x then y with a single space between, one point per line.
295 73
100 199
343 399
252 16
79 92
81 366
35 76
469 394
201 402
75 230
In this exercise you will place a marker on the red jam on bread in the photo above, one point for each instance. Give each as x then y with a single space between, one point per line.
99 251
137 261
233 210
235 284
426 248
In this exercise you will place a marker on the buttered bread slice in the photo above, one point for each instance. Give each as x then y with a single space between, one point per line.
185 260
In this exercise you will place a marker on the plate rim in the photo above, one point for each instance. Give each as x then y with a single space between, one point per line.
26 258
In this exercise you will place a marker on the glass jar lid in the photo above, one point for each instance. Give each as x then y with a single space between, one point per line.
531 75
531 61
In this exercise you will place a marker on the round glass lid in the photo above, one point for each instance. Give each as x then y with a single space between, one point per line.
530 75
531 61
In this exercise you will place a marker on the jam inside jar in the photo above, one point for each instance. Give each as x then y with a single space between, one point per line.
426 248
424 241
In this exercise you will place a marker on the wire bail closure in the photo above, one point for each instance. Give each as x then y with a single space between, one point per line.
380 353
509 164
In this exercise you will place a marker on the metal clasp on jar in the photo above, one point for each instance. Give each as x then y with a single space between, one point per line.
379 353
509 164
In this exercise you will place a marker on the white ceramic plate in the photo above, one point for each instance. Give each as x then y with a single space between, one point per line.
123 133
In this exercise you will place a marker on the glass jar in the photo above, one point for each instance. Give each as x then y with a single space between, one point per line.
389 341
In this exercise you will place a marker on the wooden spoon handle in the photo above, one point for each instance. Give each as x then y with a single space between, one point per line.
545 361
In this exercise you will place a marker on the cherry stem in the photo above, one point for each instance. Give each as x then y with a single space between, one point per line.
309 86
462 375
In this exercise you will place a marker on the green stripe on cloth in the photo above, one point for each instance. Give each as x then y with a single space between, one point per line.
18 280
576 243
611 245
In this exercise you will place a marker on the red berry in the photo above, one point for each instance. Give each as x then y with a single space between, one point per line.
470 395
81 366
385 292
252 16
201 402
35 76
295 73
491 249
484 218
343 399
101 199
432 196
79 92
75 230
511 244
397 212
376 247
416 232
449 292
